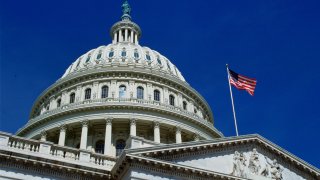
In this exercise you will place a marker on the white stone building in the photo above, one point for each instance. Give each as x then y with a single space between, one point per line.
123 111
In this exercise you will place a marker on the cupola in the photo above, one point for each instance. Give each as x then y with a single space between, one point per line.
125 31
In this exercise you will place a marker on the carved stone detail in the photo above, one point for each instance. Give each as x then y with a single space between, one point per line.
109 120
254 162
269 169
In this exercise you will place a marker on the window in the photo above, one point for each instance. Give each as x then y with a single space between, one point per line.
99 147
168 65
140 92
88 58
72 97
195 110
156 95
104 92
47 107
171 100
120 145
58 102
184 105
148 57
111 53
136 54
79 62
87 94
99 55
122 91
124 53
159 61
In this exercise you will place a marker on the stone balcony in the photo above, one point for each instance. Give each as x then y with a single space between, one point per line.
47 153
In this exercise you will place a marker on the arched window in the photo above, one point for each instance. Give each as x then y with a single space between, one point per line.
123 53
120 145
140 92
168 65
58 102
156 95
122 91
104 92
171 100
99 147
72 97
99 55
111 53
148 57
88 58
195 110
159 61
185 105
136 54
87 94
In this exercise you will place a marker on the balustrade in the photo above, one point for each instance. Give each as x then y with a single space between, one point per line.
23 144
122 100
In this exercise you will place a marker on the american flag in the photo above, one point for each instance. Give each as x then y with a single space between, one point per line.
242 82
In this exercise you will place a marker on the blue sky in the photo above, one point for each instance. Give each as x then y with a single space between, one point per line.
277 42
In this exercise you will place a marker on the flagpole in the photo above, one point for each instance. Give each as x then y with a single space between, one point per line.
234 112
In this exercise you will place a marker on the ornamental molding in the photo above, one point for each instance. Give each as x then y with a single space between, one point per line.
233 144
89 105
84 123
109 120
98 73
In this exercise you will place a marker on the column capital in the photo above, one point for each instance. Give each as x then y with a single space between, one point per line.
43 133
108 120
196 137
84 123
156 124
178 129
63 127
133 121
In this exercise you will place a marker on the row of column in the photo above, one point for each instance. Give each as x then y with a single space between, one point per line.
108 134
120 37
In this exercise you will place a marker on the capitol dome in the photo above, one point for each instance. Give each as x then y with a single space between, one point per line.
123 54
118 91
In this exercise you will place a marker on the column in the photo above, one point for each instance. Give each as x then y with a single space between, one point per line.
136 38
120 36
133 127
114 38
126 35
62 136
131 36
43 135
108 137
156 132
84 134
196 137
178 135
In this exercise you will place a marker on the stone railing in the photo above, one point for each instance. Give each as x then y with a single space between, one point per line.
50 151
22 144
126 101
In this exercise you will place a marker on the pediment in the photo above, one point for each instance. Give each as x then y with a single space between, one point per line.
252 157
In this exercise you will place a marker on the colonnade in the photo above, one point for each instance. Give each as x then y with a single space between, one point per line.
126 35
108 134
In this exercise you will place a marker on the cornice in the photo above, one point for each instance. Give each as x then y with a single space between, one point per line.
104 104
165 167
197 147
